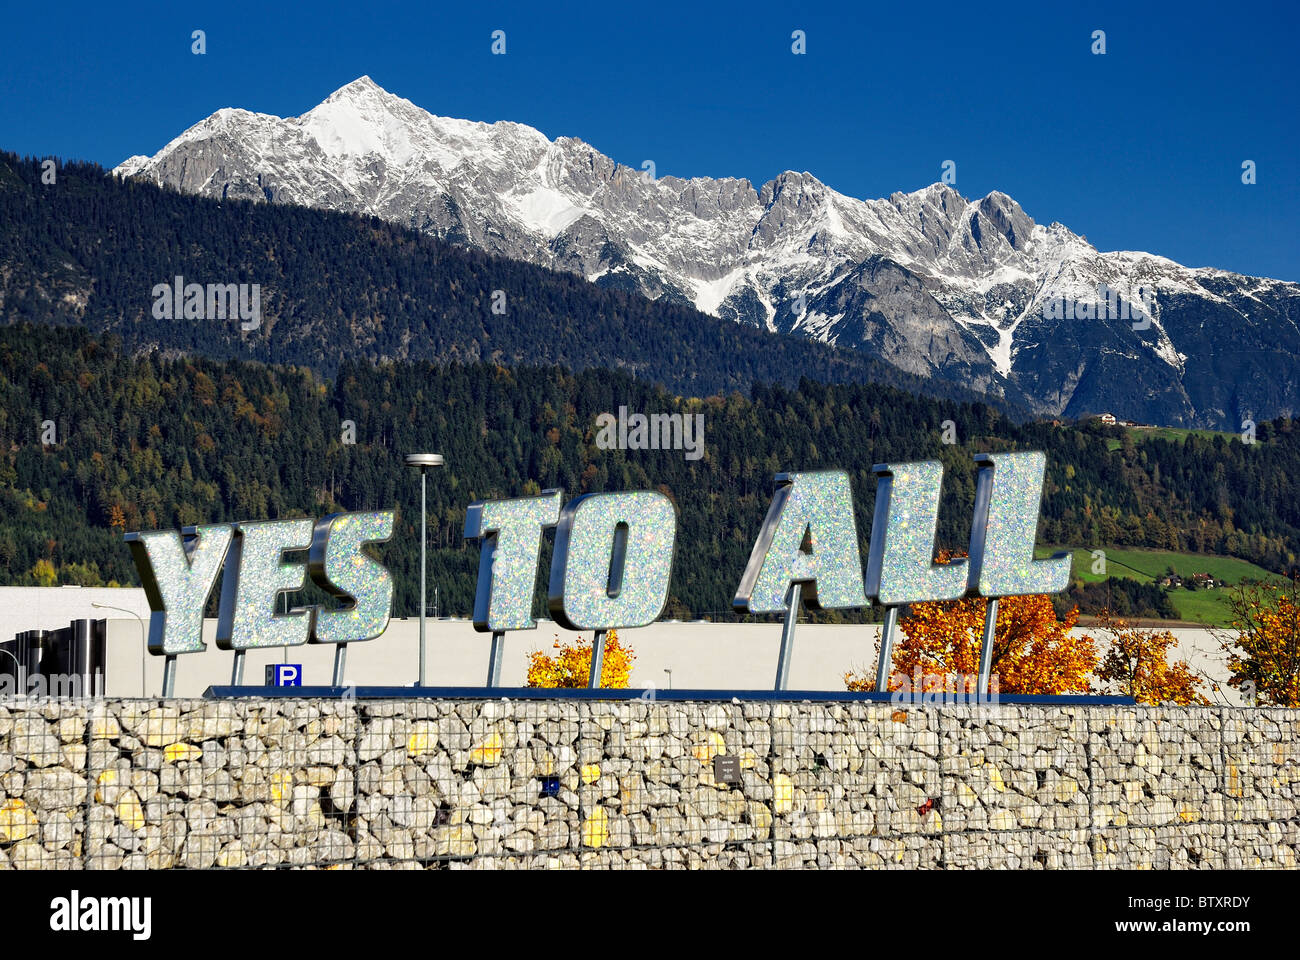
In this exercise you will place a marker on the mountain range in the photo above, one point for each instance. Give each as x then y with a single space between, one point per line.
969 292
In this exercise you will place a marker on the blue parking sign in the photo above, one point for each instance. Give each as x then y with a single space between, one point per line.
284 675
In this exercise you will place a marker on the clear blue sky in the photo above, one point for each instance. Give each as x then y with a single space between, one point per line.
1138 149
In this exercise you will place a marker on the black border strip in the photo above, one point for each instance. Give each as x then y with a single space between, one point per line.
587 693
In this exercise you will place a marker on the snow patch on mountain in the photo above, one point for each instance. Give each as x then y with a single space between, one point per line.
929 280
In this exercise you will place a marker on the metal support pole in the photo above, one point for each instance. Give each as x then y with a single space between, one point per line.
986 646
169 676
597 659
424 512
885 666
494 658
237 672
793 600
340 662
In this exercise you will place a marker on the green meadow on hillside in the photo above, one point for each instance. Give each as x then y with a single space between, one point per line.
1172 434
1145 566
1148 565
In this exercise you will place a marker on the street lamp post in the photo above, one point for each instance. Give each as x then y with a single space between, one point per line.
424 461
144 645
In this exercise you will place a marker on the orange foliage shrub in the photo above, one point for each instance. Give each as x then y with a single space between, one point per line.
1137 662
571 666
1033 651
1264 654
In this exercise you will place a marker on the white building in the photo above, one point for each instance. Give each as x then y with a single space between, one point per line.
697 655
52 608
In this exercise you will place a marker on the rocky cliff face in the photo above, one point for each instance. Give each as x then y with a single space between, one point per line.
972 291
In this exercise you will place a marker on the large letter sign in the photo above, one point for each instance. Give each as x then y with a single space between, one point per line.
338 565
613 560
510 536
255 576
510 533
900 567
611 566
1008 489
808 538
900 564
178 571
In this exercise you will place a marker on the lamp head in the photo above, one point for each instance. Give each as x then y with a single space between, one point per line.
423 460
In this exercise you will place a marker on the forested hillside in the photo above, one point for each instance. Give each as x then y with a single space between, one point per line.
144 442
334 289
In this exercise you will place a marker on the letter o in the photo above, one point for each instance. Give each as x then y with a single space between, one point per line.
613 560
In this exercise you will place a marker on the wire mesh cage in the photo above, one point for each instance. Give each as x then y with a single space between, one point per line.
640 783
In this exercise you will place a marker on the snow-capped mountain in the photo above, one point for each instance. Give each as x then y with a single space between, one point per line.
972 291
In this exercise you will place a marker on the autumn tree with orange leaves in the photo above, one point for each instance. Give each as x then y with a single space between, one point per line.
1137 663
1034 652
571 666
1264 647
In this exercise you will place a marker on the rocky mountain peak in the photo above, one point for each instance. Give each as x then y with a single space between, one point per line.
932 282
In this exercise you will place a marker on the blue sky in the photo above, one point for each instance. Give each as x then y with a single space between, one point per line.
1138 149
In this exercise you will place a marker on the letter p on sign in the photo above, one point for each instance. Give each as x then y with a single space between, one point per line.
284 675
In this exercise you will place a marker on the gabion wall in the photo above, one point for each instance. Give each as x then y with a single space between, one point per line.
136 784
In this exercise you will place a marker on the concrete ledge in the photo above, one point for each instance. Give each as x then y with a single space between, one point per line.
676 696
